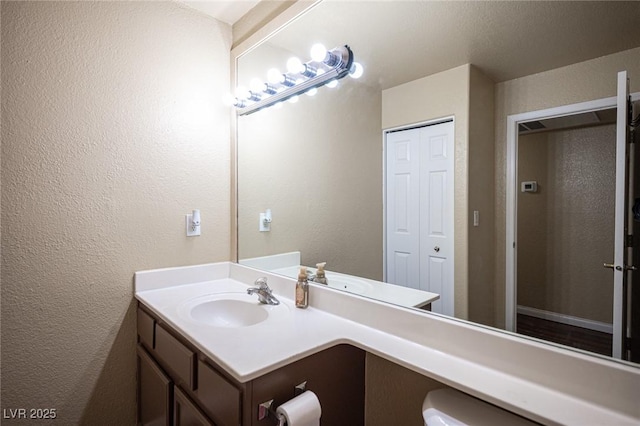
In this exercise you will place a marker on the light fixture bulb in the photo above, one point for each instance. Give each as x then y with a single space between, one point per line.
294 65
332 84
256 85
312 91
274 76
294 99
229 100
242 93
356 70
318 52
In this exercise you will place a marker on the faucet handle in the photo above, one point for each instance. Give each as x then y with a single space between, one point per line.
262 283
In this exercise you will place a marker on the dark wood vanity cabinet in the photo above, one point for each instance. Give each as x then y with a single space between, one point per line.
154 391
186 413
178 385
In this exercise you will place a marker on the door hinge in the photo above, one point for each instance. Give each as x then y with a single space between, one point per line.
628 241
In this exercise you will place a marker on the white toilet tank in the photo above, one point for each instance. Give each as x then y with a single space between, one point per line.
449 407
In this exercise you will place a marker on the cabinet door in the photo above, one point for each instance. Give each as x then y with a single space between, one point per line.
154 392
185 413
220 399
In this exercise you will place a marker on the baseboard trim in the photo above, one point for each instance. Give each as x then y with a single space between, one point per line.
566 319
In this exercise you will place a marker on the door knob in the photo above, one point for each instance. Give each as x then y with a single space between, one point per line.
437 249
612 266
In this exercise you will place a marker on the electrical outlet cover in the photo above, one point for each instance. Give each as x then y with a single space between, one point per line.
190 231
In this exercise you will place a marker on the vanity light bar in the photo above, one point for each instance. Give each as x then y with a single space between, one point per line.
337 64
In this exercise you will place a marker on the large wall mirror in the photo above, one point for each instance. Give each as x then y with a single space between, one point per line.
322 168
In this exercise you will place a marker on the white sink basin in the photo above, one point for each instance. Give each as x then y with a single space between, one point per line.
230 310
352 285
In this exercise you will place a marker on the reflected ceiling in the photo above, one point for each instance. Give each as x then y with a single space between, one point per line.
506 40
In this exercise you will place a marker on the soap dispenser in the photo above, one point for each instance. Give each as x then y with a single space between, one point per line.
320 274
302 289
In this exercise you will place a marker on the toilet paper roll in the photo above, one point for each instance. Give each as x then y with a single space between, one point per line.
303 410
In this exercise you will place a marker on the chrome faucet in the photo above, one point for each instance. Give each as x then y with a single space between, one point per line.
319 276
264 292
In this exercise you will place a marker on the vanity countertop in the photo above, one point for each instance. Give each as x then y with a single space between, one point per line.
385 292
288 264
544 383
300 333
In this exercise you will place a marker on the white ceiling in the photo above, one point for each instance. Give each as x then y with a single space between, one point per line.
228 11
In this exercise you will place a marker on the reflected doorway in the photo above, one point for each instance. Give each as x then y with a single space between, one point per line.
565 229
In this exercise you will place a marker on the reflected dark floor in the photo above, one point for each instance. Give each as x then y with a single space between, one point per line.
569 335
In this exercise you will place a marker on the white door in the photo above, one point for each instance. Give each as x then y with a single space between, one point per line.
419 211
402 208
436 214
620 263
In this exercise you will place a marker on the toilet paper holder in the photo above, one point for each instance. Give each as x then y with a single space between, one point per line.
267 408
300 388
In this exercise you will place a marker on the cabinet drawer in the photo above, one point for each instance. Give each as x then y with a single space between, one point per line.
220 399
145 329
175 356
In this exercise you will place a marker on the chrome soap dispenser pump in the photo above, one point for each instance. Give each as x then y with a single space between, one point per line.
302 289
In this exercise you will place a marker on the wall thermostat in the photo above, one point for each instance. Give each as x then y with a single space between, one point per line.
530 186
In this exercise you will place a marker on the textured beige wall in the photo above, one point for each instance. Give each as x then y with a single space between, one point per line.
481 249
585 81
532 220
112 130
317 165
565 230
441 95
